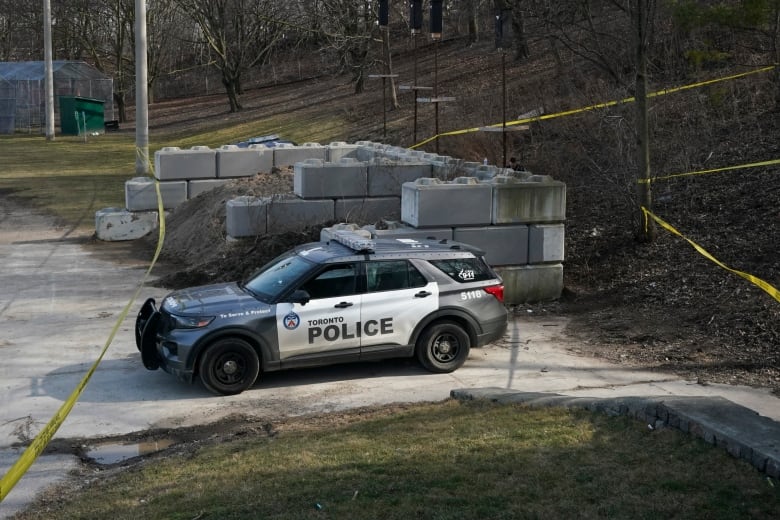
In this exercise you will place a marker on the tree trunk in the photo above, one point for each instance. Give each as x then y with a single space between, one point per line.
518 28
472 22
646 226
389 66
232 93
776 42
121 106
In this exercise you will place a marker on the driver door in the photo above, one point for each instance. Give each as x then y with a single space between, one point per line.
326 326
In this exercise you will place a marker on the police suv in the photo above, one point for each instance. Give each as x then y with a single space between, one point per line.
348 299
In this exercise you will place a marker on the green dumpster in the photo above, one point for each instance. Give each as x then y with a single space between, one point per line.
80 115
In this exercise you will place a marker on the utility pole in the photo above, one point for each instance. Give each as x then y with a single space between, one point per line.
646 229
49 73
141 92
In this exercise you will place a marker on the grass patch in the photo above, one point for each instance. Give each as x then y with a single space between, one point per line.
449 460
71 178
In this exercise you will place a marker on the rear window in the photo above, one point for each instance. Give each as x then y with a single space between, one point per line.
465 270
393 275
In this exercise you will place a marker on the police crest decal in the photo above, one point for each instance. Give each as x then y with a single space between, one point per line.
291 321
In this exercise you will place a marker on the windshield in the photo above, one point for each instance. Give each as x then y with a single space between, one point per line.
272 281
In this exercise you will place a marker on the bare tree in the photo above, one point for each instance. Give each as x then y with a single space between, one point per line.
241 34
21 31
511 13
640 16
597 31
350 31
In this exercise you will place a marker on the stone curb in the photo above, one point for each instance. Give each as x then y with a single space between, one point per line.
740 431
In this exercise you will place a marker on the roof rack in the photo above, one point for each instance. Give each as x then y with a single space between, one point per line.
354 241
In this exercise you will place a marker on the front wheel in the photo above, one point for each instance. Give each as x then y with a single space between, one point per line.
229 366
443 347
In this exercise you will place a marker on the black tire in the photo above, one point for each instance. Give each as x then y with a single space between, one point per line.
229 366
443 347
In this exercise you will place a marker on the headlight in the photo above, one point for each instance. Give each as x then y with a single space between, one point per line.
191 322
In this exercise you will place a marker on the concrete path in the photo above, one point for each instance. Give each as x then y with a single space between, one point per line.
61 294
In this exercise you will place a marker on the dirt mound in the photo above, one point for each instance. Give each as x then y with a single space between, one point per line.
197 245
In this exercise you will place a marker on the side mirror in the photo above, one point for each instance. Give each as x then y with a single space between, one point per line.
300 296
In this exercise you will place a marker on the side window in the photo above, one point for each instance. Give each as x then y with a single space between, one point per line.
336 280
465 270
393 275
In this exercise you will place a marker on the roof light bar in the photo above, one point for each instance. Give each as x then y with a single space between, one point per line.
354 241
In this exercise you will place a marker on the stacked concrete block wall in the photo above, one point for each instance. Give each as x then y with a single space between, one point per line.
316 179
338 150
517 218
233 161
246 216
430 202
141 194
286 155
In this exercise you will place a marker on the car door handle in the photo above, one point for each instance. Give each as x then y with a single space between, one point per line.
422 294
343 305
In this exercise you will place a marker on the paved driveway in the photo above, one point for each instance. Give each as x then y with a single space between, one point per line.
61 294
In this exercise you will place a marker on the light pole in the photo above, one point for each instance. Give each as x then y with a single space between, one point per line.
49 73
141 92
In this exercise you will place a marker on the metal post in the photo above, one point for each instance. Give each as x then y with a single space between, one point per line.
503 103
141 92
414 83
384 108
436 89
49 73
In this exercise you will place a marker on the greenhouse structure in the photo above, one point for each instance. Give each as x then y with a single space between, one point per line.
23 92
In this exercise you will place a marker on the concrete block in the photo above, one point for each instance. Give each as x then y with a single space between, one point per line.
233 161
531 283
444 167
539 200
288 214
315 179
503 245
115 224
369 151
195 188
545 243
329 232
286 155
394 153
340 150
433 203
394 230
371 209
412 155
485 172
173 163
141 195
246 217
385 177
430 157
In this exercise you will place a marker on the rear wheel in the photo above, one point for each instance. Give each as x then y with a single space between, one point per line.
443 347
229 366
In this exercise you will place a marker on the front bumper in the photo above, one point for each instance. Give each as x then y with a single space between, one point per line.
161 346
146 324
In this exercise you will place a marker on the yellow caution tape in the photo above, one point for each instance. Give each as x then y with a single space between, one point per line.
714 170
39 443
768 288
597 106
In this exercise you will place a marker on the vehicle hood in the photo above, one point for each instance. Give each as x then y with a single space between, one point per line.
210 300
